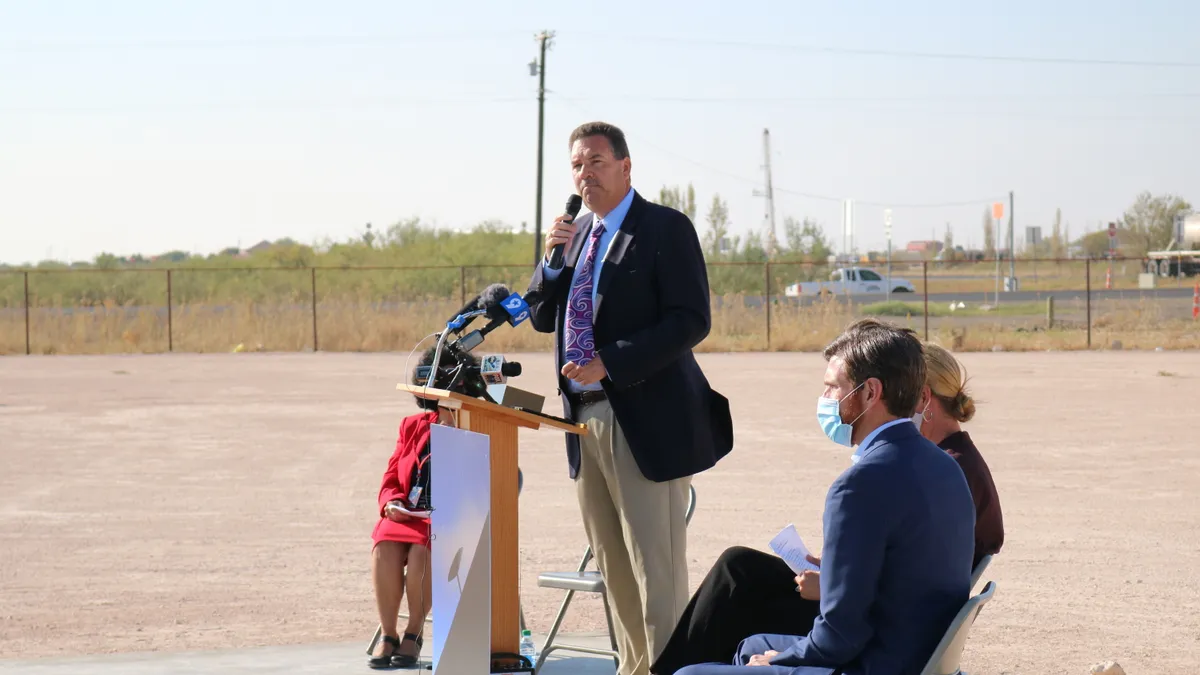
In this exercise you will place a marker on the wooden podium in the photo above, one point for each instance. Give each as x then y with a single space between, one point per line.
500 424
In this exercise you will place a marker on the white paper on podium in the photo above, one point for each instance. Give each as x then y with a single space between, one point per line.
461 551
789 546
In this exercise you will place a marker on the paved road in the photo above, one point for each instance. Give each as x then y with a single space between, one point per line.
981 298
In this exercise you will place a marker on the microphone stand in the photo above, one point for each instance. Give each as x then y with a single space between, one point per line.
456 323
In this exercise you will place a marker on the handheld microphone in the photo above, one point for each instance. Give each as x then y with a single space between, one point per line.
574 203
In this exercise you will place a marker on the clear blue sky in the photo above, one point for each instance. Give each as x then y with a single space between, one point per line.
138 126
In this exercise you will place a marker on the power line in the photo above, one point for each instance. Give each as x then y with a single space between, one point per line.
797 193
273 105
867 105
400 40
891 53
733 98
871 105
260 42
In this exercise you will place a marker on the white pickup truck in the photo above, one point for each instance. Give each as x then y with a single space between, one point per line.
851 281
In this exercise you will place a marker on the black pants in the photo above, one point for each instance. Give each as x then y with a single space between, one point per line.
745 593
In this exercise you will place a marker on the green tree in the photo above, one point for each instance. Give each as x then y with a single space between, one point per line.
1151 222
679 200
793 237
948 245
989 234
718 226
805 240
753 249
402 232
1095 244
819 249
1058 245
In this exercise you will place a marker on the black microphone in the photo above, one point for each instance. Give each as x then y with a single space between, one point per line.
490 299
574 203
472 305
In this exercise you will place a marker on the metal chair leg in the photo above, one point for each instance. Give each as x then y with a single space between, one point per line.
375 640
562 614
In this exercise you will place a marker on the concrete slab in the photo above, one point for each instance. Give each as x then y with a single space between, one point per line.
312 659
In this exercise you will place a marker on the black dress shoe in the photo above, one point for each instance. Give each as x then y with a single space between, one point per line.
404 660
385 661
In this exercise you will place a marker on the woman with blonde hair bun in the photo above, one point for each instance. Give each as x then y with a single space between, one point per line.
945 405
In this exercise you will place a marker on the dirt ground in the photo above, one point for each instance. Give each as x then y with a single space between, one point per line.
182 502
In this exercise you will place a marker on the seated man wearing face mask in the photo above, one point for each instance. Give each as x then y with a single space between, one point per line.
899 526
750 591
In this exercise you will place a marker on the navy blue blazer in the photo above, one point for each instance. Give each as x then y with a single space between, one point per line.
896 560
652 309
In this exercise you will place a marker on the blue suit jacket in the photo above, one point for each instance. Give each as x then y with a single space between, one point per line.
896 560
652 308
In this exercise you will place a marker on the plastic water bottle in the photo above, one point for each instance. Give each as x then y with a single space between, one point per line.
528 650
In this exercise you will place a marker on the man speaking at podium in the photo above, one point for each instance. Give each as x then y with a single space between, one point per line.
627 305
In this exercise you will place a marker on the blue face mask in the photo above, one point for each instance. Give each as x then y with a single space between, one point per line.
829 416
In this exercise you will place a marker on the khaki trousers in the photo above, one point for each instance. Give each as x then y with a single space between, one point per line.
638 533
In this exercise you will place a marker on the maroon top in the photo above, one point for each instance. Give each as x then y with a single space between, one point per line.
989 525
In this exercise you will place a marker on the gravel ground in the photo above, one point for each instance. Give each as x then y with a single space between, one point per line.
181 502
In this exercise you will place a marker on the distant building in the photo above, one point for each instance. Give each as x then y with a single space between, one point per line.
925 246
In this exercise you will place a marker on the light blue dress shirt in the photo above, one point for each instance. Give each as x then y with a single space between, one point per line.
612 223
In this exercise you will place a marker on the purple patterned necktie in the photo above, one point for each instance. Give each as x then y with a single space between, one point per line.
578 341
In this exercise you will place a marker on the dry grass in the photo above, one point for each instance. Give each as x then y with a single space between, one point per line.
352 324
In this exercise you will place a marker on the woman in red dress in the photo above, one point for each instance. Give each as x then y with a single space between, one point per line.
401 541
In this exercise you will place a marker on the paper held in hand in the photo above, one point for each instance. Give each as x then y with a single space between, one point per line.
789 546
399 506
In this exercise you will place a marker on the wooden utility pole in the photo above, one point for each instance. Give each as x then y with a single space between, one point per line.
538 68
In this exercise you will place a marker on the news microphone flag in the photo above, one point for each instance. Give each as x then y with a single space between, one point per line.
517 308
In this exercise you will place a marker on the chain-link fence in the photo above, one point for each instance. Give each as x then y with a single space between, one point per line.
975 305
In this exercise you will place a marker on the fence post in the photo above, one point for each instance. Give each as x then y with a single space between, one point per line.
27 313
925 286
1088 272
767 288
170 320
313 271
462 284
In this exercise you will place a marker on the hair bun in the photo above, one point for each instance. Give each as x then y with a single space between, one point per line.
964 407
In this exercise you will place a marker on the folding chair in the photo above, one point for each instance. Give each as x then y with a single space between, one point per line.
429 618
983 563
584 581
947 657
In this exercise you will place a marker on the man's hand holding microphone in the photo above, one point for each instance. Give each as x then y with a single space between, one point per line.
561 232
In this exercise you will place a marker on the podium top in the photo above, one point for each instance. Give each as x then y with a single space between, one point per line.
521 418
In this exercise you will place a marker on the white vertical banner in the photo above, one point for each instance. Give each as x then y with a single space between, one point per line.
848 222
461 551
